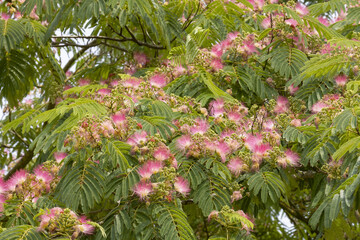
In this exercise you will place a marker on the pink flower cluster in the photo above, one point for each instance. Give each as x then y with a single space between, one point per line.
28 186
155 158
197 139
57 221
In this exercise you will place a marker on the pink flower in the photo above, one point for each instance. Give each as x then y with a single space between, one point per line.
132 83
260 151
183 142
149 168
201 127
158 80
18 15
269 125
293 89
235 166
266 23
216 107
3 187
5 16
59 156
324 21
234 116
18 178
119 120
291 22
42 175
236 196
341 80
213 214
232 36
141 58
296 122
83 82
249 47
281 105
222 149
291 158
301 9
107 128
137 138
162 153
179 71
217 51
143 189
216 64
317 107
181 185
104 91
252 141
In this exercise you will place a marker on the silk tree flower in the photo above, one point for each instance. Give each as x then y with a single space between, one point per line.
183 142
236 195
232 36
341 80
292 89
295 122
236 166
3 186
132 83
317 107
324 21
252 141
179 70
119 120
201 127
268 125
217 51
42 175
84 227
291 158
216 64
281 105
266 23
291 22
143 189
213 214
234 116
107 128
141 58
83 82
104 91
162 153
149 168
5 16
223 150
59 156
137 138
158 81
261 151
301 9
216 107
18 178
181 185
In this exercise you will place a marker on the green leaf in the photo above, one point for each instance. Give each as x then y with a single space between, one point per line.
173 222
349 146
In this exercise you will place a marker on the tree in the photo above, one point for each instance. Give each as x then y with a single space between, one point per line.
181 119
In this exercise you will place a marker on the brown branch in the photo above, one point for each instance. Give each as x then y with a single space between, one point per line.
21 163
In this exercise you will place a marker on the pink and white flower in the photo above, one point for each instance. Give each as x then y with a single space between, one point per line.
181 185
143 189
